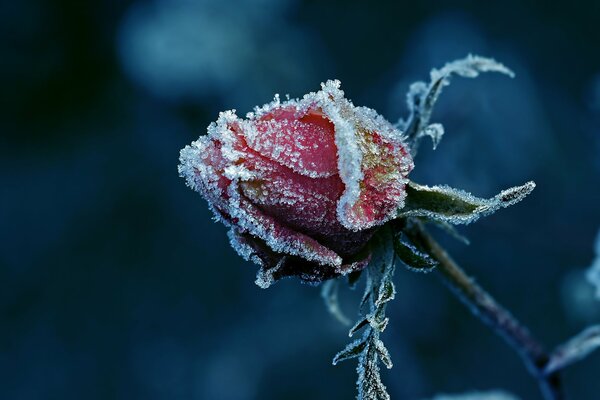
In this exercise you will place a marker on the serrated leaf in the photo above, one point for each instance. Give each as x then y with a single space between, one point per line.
360 324
411 256
329 293
379 324
456 206
370 386
384 354
574 350
353 350
387 291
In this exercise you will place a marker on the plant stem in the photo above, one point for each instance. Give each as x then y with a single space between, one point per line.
487 309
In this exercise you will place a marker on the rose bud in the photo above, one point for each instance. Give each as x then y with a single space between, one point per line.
302 184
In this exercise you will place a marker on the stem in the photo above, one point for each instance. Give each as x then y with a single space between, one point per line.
487 309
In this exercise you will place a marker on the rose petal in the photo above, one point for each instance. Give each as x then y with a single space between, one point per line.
304 143
275 266
277 236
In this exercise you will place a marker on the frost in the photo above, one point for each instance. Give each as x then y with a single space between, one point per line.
455 206
421 97
369 349
593 273
411 256
490 395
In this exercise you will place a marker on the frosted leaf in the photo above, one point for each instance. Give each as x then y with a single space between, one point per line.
413 258
384 354
489 395
421 97
329 293
457 206
435 132
370 349
593 272
574 350
265 277
387 292
369 384
351 351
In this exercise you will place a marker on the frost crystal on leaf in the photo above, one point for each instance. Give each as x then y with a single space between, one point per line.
455 206
421 97
369 349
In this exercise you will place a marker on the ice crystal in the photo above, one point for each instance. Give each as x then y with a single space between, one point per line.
421 97
369 349
455 206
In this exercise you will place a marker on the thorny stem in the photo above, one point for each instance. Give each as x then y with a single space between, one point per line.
500 320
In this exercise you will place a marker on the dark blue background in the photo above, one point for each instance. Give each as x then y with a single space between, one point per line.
115 283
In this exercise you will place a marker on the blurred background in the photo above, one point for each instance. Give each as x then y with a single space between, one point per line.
116 284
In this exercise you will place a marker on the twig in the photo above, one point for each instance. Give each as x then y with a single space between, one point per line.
484 307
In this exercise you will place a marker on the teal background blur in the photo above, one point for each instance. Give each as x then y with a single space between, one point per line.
116 284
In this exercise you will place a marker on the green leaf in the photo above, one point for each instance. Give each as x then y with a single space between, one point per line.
384 354
387 291
454 206
353 350
411 256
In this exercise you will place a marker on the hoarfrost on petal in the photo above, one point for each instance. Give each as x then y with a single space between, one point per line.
277 236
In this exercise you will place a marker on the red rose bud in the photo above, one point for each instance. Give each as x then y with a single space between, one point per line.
302 184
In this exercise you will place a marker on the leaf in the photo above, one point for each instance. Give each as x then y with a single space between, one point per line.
411 256
455 206
384 354
574 350
353 350
360 324
329 293
421 97
369 382
387 291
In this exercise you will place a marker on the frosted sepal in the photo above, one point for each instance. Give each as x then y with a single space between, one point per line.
411 256
421 97
457 206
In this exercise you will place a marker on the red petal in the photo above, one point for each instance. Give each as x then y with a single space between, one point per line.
304 143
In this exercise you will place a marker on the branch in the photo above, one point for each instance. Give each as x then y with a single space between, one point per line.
487 309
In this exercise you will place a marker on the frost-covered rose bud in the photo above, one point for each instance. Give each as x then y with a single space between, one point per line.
302 184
